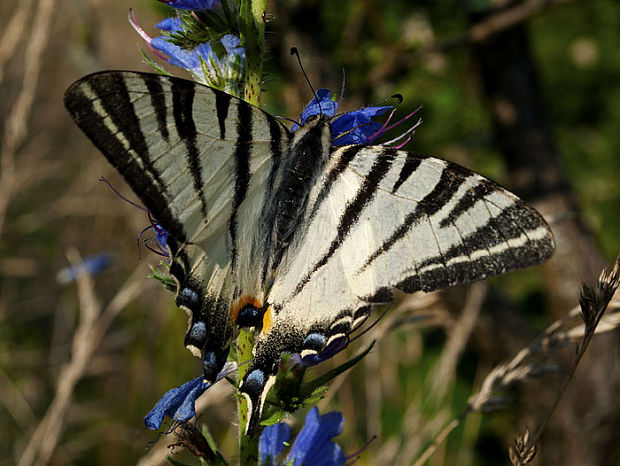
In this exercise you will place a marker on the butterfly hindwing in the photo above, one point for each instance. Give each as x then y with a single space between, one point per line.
380 220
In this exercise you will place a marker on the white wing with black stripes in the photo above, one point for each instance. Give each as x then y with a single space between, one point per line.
379 220
204 164
281 232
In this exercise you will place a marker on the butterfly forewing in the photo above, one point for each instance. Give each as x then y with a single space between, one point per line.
202 161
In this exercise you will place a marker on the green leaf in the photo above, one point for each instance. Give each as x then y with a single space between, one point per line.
276 417
207 435
164 278
157 67
340 369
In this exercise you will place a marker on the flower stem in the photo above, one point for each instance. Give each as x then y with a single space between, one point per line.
252 34
248 446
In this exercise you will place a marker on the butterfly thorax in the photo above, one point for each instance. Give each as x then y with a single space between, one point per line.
305 158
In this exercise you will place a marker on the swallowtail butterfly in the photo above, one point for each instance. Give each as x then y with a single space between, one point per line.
282 232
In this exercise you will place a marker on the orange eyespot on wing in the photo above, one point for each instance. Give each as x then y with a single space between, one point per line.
243 301
267 321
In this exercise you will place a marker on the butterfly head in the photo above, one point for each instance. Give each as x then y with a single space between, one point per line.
311 139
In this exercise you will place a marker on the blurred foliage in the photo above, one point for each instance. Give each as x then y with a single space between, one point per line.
59 204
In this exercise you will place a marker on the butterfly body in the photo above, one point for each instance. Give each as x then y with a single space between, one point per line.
282 232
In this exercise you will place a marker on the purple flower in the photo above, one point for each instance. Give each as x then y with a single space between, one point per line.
356 127
313 444
178 403
194 4
91 265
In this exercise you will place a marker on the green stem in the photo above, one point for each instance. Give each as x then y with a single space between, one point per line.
252 34
248 446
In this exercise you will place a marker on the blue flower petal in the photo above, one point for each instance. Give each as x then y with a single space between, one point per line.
271 443
354 127
358 124
193 4
90 265
178 403
161 235
314 445
169 24
323 106
227 66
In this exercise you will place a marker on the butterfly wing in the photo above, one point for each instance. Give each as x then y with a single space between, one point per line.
379 220
202 162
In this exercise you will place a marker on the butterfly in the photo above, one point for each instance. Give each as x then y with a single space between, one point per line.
282 232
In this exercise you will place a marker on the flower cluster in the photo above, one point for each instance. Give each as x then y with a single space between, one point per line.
356 127
217 62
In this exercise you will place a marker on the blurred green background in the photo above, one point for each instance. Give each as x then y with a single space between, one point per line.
434 350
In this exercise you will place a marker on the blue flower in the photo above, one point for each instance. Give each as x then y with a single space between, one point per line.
272 442
91 265
194 4
219 63
313 445
324 105
178 403
162 236
356 127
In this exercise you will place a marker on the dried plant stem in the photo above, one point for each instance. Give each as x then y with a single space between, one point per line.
593 303
91 328
489 398
441 436
16 125
14 32
457 339
15 403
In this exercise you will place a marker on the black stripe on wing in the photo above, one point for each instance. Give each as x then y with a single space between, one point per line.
353 210
242 170
432 203
275 133
183 93
158 101
412 162
222 104
515 224
109 91
331 177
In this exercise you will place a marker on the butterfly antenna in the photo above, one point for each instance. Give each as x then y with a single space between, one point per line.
139 240
295 52
120 195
